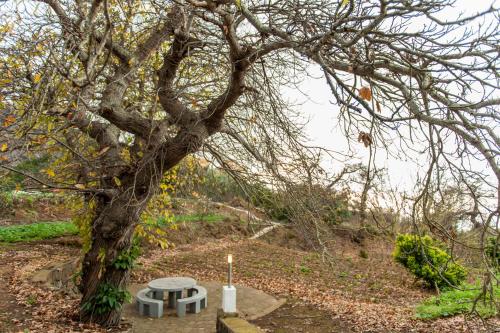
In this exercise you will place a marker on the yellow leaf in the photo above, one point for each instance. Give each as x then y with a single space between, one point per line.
4 147
80 186
37 78
9 120
117 180
50 173
163 244
345 2
6 28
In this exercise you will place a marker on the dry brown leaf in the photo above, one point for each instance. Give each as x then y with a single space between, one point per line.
365 138
103 151
365 93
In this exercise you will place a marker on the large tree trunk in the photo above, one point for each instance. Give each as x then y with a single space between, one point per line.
112 232
116 218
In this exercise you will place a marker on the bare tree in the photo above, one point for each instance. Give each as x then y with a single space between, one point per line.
130 88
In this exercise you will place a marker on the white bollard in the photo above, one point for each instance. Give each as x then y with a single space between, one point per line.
229 299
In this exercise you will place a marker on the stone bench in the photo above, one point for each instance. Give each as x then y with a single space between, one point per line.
196 300
148 306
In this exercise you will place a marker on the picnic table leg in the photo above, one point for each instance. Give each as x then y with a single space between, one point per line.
158 295
171 299
173 296
178 295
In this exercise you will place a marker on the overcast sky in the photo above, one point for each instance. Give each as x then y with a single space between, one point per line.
322 113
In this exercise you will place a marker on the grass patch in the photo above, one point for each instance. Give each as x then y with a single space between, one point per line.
453 302
36 231
305 269
199 217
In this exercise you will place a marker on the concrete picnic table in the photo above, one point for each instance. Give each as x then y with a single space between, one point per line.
173 285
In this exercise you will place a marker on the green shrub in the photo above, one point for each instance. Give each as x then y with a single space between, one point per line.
493 251
36 231
106 299
329 206
336 211
271 202
211 183
428 260
456 301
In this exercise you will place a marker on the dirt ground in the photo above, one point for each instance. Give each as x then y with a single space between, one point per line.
301 317
346 293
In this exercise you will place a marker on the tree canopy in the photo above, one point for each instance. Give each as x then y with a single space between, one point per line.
121 91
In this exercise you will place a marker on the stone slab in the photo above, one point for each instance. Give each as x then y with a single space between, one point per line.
172 283
238 325
251 303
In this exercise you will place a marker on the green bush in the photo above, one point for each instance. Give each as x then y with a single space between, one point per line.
428 260
336 211
493 251
212 183
332 207
271 202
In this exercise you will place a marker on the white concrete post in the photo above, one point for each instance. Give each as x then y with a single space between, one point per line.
229 299
229 291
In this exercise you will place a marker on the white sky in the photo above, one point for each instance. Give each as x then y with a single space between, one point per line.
322 112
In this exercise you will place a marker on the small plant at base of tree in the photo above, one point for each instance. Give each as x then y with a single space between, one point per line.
106 299
428 260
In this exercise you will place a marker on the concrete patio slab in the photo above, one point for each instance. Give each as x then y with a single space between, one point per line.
251 304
